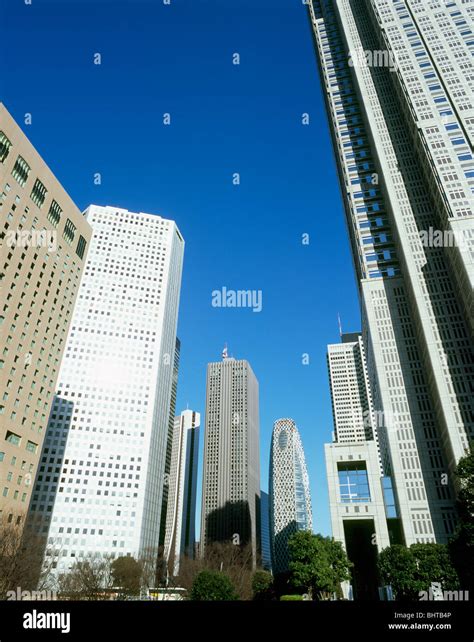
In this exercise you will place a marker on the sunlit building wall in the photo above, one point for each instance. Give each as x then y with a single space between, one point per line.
100 483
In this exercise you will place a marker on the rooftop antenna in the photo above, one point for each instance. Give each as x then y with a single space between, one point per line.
224 352
340 325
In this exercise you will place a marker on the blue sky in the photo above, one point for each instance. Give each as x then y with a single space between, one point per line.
225 119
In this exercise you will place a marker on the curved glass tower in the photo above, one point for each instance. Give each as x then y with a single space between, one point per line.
290 500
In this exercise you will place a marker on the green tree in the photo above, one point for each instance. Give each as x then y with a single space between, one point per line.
461 545
397 568
213 586
414 569
262 585
126 574
433 564
318 564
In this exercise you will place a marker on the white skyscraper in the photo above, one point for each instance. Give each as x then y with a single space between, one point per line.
100 480
361 501
398 85
181 510
290 499
231 477
350 392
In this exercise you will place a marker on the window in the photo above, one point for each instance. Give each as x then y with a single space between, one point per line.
31 446
38 193
2 456
283 440
81 246
69 230
54 214
5 145
389 498
12 438
353 482
20 170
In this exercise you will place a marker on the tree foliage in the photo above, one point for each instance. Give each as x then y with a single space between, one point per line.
412 570
89 578
318 564
397 568
262 585
21 558
213 586
235 561
126 574
461 545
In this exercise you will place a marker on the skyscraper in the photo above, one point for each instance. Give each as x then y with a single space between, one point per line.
182 484
395 78
100 484
44 247
290 500
350 391
231 478
265 531
361 501
169 442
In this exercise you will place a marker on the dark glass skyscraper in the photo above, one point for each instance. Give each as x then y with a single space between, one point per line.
265 531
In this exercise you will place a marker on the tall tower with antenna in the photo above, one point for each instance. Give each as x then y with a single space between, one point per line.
231 479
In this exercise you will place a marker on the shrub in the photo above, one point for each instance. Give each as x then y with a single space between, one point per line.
213 586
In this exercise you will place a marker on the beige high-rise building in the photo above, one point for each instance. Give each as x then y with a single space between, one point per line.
44 246
231 479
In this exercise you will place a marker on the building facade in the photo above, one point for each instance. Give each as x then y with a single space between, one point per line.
350 390
358 511
290 500
100 483
266 544
361 499
169 443
182 485
45 240
395 78
231 477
